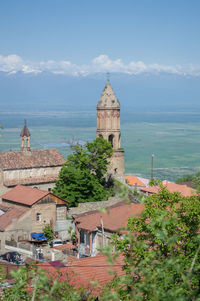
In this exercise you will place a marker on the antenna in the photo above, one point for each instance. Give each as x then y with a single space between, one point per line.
152 157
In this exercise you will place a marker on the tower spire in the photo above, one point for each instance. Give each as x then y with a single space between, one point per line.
25 138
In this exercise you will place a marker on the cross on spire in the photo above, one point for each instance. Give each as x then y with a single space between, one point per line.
108 76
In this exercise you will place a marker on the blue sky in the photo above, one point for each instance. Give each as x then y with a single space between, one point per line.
88 38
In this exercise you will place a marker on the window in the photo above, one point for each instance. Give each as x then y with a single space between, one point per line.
38 217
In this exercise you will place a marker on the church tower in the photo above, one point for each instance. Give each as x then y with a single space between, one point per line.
25 138
108 127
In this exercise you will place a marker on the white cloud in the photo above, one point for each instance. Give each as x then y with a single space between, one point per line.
13 63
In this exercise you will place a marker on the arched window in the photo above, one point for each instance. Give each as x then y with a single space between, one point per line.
111 139
100 136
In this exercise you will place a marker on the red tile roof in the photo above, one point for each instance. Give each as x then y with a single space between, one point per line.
172 187
113 220
81 272
24 195
134 181
63 247
6 219
30 159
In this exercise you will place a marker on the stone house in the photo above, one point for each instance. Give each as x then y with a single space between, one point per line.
94 229
14 225
29 167
39 208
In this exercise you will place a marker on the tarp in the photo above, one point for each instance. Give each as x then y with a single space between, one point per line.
38 236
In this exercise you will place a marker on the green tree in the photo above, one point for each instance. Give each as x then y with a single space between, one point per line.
48 232
82 177
161 251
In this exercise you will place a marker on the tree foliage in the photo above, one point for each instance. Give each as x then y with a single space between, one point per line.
48 232
81 178
162 251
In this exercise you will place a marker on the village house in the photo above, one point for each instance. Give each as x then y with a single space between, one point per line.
136 182
26 210
171 187
94 229
29 167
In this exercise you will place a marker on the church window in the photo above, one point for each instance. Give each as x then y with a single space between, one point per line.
38 217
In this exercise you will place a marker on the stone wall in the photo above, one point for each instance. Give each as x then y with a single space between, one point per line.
20 174
47 214
116 166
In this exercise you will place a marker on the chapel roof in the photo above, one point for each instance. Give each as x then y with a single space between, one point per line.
25 131
32 159
108 99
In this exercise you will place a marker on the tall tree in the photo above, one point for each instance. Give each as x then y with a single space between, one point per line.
82 177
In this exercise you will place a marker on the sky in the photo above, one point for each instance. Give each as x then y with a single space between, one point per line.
49 48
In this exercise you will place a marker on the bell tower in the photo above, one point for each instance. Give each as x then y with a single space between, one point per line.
108 127
25 138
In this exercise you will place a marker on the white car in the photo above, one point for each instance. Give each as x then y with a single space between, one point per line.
55 242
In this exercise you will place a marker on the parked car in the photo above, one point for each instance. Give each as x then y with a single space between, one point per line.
55 242
10 256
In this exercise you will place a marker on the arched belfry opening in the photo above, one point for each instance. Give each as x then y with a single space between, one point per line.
111 139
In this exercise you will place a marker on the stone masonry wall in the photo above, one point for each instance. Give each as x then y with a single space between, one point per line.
13 175
48 216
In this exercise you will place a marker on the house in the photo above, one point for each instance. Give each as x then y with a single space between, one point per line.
14 225
94 229
136 182
44 208
171 187
29 167
86 273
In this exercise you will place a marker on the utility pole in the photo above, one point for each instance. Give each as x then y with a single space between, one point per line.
152 158
102 229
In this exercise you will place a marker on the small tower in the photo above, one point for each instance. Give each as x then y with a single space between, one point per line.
25 138
108 127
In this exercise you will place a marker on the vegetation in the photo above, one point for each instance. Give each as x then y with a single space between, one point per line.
162 258
48 232
82 177
194 178
43 288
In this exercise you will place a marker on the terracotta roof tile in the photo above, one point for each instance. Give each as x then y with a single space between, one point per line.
172 187
114 219
63 247
24 195
6 219
134 181
81 272
31 159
